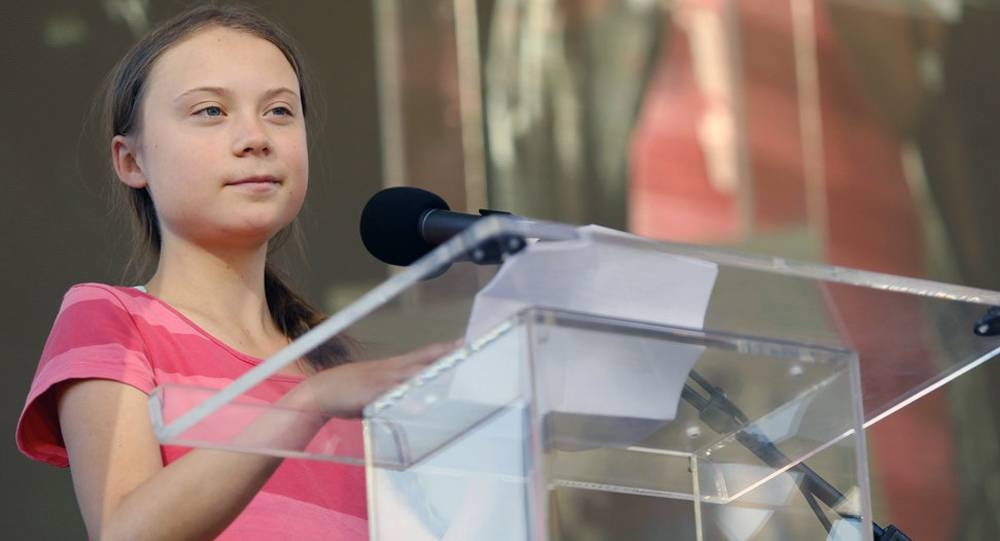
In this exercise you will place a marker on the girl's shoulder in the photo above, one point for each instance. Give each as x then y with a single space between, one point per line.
98 291
124 313
94 297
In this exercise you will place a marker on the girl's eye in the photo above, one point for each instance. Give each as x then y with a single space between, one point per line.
210 111
282 111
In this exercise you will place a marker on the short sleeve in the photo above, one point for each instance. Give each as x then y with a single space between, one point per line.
93 337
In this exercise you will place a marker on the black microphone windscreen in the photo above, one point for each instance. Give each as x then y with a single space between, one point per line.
390 224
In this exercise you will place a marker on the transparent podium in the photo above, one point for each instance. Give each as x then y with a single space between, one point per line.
725 393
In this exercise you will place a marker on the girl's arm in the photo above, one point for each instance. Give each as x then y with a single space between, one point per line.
125 492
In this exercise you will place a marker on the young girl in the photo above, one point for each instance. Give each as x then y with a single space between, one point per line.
207 117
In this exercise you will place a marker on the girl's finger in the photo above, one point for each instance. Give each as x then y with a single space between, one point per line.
410 371
428 353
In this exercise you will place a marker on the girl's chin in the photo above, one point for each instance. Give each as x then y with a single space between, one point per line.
247 232
248 236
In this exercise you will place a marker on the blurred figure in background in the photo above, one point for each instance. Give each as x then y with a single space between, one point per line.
785 136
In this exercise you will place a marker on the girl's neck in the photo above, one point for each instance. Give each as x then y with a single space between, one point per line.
224 287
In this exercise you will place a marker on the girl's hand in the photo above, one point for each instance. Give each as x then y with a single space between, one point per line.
344 391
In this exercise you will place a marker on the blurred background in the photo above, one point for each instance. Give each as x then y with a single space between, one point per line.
858 133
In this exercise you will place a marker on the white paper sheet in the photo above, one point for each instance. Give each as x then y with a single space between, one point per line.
594 373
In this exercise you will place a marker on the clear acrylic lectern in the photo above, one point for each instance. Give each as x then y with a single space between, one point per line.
733 390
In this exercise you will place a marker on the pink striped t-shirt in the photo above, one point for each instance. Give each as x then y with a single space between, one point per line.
125 335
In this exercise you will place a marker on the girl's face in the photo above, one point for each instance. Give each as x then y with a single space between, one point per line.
222 140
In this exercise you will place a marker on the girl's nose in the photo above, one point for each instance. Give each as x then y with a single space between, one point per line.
252 140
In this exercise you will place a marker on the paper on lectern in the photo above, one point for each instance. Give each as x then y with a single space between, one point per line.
592 373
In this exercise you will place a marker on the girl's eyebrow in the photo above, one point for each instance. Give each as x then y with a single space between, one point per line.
280 90
226 92
210 89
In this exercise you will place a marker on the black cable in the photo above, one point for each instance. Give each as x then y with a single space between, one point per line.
722 416
811 500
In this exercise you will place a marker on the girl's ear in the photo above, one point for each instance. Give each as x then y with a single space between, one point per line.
125 158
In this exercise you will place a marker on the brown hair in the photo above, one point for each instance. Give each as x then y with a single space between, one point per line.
122 101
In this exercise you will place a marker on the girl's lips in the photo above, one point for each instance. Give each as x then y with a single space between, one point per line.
255 185
264 180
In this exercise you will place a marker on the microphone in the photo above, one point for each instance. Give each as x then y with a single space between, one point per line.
400 225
